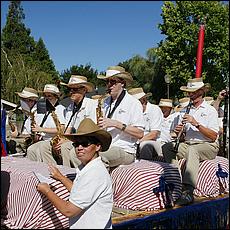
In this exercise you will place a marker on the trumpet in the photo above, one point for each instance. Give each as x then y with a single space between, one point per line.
182 129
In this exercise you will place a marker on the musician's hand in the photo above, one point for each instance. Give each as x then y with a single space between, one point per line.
100 122
57 147
14 134
189 119
107 122
43 187
178 128
55 173
37 128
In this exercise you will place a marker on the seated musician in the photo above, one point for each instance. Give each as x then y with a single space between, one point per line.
28 102
46 127
91 196
200 139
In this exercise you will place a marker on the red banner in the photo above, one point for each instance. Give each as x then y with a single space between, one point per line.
200 52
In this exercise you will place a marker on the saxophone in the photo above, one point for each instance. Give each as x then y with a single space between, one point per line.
99 112
54 141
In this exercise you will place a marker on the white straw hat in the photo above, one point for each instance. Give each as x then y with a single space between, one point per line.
194 84
165 103
51 88
138 93
28 93
78 80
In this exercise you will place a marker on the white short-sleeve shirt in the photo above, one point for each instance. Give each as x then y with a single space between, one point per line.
207 116
153 118
92 192
129 112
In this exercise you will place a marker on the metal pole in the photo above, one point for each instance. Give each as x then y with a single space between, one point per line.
168 90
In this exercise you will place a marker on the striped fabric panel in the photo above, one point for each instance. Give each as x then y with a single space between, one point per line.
133 184
27 208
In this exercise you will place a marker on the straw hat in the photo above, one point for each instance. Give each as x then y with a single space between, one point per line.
28 93
209 100
166 103
51 88
195 84
78 80
138 93
87 128
183 102
116 71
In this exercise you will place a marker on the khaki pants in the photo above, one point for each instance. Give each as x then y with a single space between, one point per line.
150 149
194 154
116 156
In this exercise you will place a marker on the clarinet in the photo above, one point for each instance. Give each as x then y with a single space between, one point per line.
182 129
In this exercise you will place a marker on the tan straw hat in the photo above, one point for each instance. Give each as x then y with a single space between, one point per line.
87 128
194 84
78 80
51 88
28 93
183 102
116 71
209 100
165 103
138 93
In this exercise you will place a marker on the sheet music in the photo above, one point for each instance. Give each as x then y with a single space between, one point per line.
44 179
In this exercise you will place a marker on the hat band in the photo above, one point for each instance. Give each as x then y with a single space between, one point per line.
194 85
110 73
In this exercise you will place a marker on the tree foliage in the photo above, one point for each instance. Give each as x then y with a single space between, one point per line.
177 53
24 62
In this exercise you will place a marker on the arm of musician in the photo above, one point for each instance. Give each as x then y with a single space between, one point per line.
216 103
39 129
65 207
56 174
204 130
132 130
153 135
14 131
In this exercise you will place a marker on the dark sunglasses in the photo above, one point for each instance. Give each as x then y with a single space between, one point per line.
79 89
28 100
84 143
112 81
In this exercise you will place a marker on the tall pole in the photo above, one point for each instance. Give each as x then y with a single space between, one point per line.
200 52
168 90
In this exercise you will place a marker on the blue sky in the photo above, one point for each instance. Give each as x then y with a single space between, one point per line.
102 33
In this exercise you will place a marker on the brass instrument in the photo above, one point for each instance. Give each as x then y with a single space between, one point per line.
99 112
54 141
182 129
11 124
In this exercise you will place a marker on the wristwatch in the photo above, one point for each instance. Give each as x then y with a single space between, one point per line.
197 125
123 127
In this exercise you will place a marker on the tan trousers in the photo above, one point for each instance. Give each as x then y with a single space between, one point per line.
194 154
150 149
42 152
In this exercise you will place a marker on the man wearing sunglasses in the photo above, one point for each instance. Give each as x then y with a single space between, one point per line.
91 196
123 117
81 107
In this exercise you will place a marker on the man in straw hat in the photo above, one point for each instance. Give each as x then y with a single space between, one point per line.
81 107
28 102
91 196
153 118
46 126
123 117
200 137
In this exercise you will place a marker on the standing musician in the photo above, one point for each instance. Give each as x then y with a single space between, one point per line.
46 126
81 107
123 117
200 137
28 102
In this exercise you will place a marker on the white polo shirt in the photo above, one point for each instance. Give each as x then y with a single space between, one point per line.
207 116
129 112
153 118
49 123
87 110
92 192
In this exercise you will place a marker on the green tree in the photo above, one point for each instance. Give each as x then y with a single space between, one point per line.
177 53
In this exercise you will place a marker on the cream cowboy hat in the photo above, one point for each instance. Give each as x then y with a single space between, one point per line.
209 100
87 128
78 80
138 93
116 71
183 102
28 93
194 84
51 88
165 103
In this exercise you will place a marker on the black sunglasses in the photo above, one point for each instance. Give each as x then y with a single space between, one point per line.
79 89
85 143
112 81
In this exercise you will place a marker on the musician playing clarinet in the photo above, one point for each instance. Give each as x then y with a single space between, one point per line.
199 139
